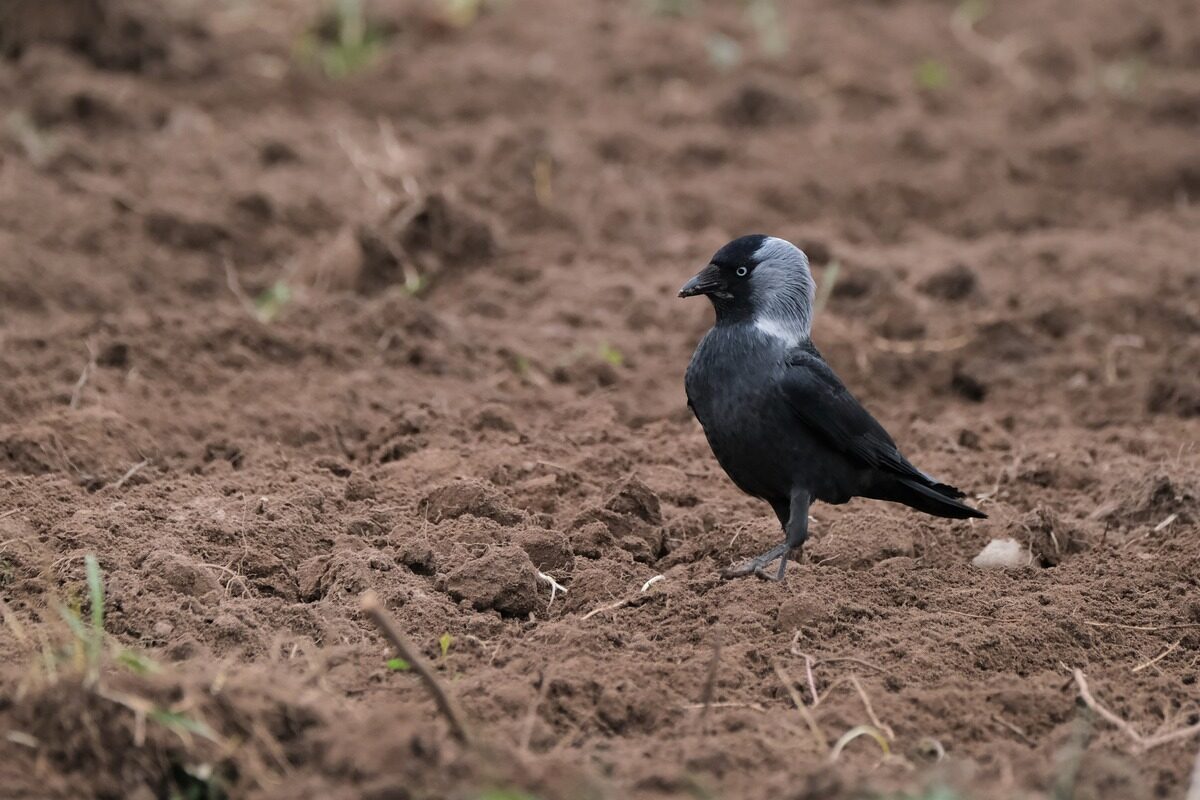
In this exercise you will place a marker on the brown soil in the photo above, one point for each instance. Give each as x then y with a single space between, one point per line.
208 257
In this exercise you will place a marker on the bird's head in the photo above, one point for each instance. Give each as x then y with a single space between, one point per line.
762 280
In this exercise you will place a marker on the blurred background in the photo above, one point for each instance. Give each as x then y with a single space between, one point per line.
274 274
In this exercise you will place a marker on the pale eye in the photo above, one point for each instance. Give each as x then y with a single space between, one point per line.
741 272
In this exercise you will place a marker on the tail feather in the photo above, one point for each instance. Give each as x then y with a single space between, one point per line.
938 499
947 490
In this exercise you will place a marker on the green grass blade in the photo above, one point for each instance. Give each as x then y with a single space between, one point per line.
95 641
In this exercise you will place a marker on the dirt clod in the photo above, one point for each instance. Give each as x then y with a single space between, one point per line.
180 573
632 497
468 497
1050 540
956 282
503 579
550 551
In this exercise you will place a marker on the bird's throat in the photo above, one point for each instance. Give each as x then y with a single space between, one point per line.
789 331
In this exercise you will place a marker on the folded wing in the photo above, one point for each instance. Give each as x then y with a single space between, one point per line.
822 402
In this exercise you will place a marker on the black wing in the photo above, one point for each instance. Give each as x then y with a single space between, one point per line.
820 399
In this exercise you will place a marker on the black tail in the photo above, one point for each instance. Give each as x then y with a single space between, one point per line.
937 499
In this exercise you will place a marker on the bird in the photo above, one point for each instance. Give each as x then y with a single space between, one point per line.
780 422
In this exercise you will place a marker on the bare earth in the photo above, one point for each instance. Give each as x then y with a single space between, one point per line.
216 376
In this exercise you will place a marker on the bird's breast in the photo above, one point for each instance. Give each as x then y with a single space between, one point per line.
733 390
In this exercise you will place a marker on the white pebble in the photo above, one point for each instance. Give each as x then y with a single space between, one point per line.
1003 554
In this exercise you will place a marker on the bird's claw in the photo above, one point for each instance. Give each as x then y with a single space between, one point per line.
742 570
757 565
762 574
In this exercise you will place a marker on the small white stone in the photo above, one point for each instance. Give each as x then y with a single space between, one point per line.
1003 554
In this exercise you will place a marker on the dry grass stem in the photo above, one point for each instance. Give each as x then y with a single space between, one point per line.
531 715
1117 343
817 734
610 607
84 377
853 660
1170 518
25 740
14 624
710 679
653 581
796 651
730 704
555 587
1169 627
1194 784
1141 743
855 732
903 347
1002 55
233 281
625 600
809 662
866 701
1024 737
129 473
1157 658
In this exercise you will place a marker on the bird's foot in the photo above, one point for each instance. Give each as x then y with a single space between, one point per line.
756 565
776 577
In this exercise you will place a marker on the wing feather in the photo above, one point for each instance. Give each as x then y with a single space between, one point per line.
822 402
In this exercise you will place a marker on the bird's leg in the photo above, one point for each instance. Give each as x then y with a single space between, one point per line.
796 530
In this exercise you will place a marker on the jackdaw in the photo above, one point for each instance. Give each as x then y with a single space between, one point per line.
780 422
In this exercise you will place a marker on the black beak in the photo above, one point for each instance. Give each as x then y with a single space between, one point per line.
706 281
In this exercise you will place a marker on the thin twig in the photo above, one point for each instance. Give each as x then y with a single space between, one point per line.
1157 658
817 734
373 608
